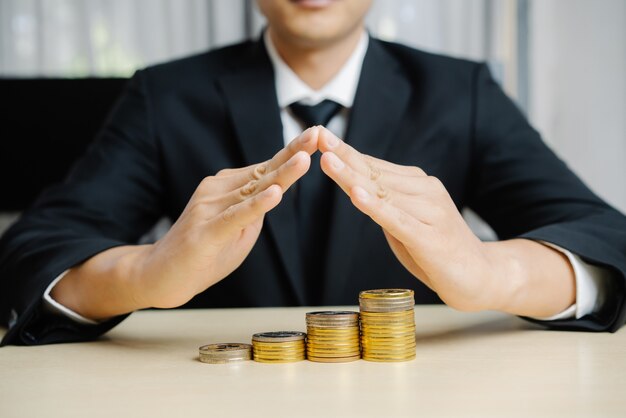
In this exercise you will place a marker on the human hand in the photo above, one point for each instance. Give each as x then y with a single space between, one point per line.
218 227
422 225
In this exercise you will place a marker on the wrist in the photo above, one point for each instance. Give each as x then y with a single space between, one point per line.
529 278
506 277
132 273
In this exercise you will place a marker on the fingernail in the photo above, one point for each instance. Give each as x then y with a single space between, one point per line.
331 141
361 194
336 162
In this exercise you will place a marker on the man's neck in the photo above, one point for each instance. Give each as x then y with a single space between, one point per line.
316 66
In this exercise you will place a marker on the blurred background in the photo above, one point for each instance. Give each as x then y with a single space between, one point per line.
563 61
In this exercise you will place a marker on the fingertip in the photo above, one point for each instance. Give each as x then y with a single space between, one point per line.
306 136
302 155
327 140
306 157
273 191
331 161
309 137
271 196
300 161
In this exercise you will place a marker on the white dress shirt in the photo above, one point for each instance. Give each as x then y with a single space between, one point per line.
590 279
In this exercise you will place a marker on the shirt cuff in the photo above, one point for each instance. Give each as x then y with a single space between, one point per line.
55 307
591 287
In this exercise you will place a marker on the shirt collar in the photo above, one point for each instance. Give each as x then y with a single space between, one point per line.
341 88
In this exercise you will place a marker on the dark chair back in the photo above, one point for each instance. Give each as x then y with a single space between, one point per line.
45 124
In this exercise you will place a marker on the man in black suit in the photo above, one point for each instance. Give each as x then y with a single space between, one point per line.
425 136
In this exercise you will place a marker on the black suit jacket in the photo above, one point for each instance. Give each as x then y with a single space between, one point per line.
184 120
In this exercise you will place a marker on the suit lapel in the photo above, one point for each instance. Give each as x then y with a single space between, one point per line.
380 102
251 100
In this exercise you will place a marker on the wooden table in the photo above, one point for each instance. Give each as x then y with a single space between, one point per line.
470 365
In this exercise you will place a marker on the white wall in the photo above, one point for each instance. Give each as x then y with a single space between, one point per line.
578 88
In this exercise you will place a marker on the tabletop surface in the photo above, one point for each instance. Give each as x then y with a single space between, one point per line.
472 365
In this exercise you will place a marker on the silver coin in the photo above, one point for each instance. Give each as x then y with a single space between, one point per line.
279 336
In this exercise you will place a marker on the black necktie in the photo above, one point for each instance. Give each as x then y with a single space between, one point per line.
313 203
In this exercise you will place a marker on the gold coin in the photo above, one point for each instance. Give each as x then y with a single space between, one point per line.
332 331
389 319
387 322
386 293
287 358
314 343
382 303
380 307
331 340
343 355
389 336
388 348
333 346
278 345
332 317
406 346
279 352
404 322
387 325
346 336
382 340
387 341
383 315
316 320
278 349
333 349
388 351
399 327
389 354
284 356
333 324
322 326
399 347
388 330
388 360
396 314
334 352
334 359
389 333
264 360
394 354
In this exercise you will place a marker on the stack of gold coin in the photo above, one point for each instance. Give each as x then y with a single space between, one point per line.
225 353
387 324
279 346
332 336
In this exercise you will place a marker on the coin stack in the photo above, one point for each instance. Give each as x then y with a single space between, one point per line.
387 324
332 336
279 346
225 353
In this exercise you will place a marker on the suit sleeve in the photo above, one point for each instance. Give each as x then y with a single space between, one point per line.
523 190
110 198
